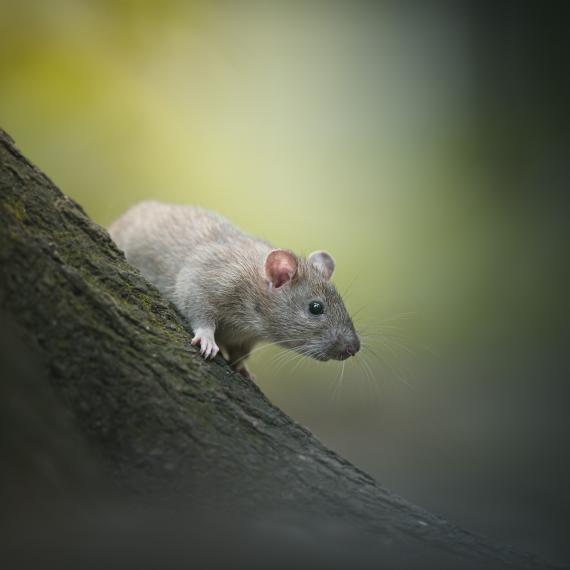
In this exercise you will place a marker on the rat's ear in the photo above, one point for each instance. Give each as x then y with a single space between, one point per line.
324 262
280 267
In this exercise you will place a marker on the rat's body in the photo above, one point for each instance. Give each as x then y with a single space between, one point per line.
236 290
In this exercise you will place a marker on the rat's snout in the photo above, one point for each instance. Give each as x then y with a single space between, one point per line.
348 347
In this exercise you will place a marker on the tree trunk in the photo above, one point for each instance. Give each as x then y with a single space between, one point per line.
145 414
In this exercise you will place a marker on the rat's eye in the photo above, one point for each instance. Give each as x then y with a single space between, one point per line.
316 308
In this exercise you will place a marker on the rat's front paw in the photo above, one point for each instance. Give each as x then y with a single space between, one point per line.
208 346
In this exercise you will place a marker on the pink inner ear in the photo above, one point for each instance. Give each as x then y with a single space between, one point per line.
281 275
280 266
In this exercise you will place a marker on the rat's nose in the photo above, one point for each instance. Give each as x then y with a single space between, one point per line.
353 346
350 348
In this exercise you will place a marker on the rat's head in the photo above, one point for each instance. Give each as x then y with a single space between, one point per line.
304 311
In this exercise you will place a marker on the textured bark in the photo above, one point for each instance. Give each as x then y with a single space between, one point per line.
158 421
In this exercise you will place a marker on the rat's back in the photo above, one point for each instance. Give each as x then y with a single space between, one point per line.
159 238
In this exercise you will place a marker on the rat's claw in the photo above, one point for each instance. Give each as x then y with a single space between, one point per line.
213 350
208 347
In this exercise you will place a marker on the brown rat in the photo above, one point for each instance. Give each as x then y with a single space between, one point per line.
236 290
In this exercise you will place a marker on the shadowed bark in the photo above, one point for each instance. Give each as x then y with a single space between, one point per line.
150 417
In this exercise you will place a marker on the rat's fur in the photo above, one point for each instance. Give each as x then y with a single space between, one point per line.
225 282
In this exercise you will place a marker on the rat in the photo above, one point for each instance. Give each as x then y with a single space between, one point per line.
234 289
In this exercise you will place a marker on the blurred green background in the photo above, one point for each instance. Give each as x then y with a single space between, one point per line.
423 144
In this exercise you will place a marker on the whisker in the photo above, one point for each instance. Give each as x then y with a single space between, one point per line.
278 343
358 311
369 375
347 290
336 388
394 366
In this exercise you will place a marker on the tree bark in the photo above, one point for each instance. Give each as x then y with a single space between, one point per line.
156 420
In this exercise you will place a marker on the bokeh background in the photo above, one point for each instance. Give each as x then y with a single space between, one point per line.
425 145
